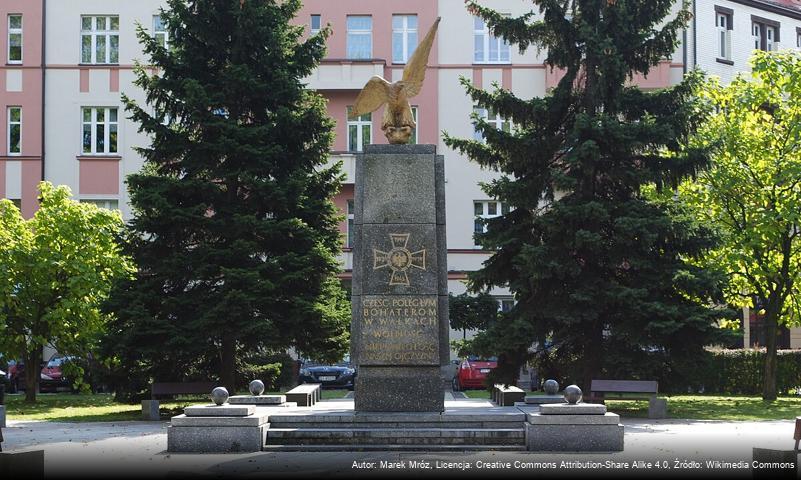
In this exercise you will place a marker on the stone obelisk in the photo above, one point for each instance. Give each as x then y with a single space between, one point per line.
399 330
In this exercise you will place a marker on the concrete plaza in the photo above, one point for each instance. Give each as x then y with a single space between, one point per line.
677 446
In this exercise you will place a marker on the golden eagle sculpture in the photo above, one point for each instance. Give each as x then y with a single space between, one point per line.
398 122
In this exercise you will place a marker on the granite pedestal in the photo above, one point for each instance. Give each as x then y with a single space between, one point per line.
399 327
544 399
272 400
574 428
217 429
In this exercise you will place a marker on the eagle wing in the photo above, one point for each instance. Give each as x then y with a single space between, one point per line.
372 96
415 71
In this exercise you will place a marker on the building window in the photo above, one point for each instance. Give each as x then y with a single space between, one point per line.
100 40
360 131
15 39
160 31
351 211
488 48
107 204
315 24
724 26
413 138
14 133
17 202
505 305
484 210
99 130
765 34
404 37
360 37
492 118
798 37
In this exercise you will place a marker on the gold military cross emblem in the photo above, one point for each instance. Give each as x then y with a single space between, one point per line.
399 259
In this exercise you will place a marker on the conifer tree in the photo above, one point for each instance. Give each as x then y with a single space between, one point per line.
234 231
593 261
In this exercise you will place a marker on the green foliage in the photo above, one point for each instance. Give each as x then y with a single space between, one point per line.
592 261
234 229
471 312
752 195
55 271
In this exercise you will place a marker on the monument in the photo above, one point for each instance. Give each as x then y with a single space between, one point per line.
399 329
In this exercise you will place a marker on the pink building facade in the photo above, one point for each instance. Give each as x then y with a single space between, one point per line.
21 102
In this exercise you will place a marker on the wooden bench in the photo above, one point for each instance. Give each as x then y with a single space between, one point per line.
305 395
150 408
630 390
507 396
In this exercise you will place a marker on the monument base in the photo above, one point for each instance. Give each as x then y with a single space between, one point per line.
399 389
574 428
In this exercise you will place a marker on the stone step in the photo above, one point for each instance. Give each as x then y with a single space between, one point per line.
398 425
386 447
408 436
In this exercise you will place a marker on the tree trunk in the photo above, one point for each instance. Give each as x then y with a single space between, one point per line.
33 368
228 363
771 330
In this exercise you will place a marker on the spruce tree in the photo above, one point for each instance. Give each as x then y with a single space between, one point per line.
234 231
601 270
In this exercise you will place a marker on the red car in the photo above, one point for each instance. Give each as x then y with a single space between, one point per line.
472 372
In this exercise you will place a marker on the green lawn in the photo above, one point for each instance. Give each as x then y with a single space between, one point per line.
704 407
66 407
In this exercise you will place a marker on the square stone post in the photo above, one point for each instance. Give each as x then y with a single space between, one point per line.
399 328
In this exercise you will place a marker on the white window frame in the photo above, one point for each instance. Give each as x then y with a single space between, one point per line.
15 31
500 210
9 125
165 35
482 30
106 203
756 35
350 209
492 118
315 31
359 32
723 24
770 38
107 33
365 120
107 127
798 39
405 31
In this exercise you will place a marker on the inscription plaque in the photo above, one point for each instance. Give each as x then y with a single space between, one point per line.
399 330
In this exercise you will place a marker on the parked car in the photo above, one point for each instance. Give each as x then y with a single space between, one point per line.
338 375
473 372
52 377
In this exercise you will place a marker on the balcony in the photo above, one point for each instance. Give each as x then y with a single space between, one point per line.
344 74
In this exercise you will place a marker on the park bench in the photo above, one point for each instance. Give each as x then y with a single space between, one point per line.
150 408
505 396
601 390
305 395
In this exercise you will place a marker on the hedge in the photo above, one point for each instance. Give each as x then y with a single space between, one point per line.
741 372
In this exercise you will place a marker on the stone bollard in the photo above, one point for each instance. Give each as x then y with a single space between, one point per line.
657 408
2 416
150 410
